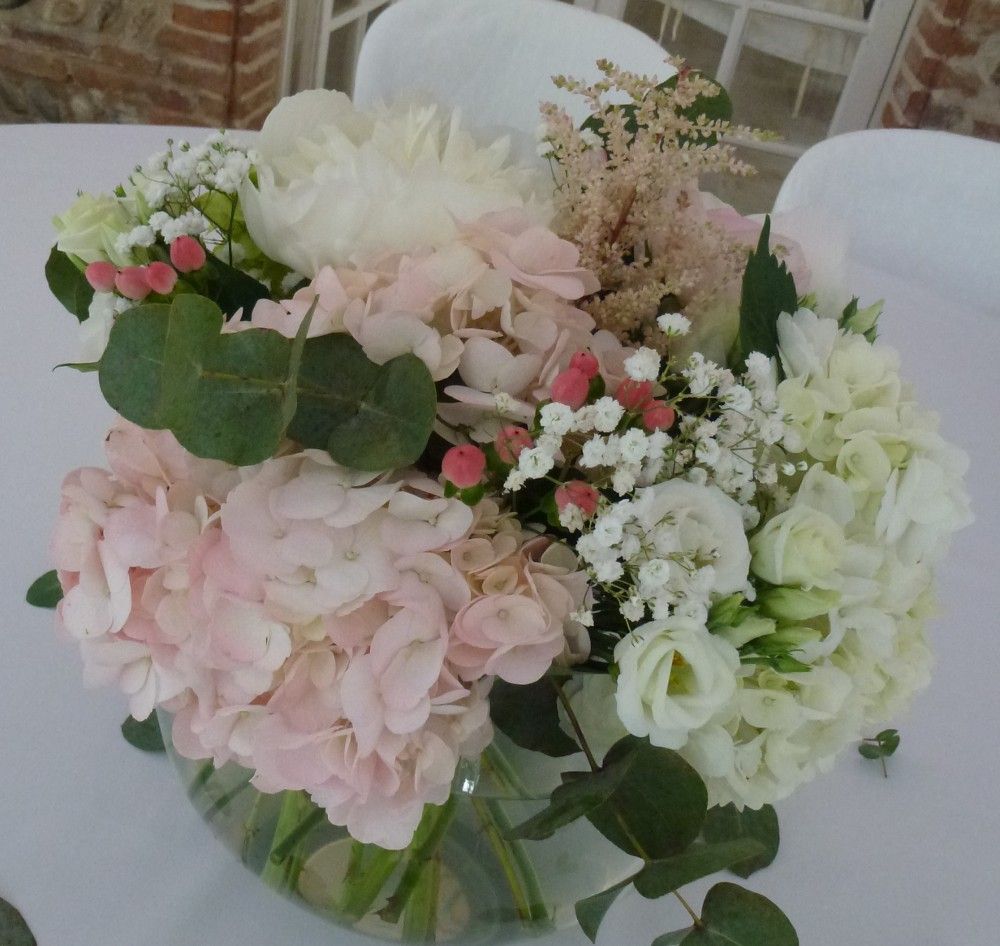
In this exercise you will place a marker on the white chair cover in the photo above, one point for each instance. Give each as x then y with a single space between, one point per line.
924 204
494 59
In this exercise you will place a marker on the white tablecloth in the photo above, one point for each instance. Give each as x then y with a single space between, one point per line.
99 847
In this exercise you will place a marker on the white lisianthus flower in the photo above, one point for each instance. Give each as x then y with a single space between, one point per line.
703 522
90 229
335 183
801 546
674 677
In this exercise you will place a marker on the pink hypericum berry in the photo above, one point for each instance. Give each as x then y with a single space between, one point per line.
634 395
511 441
187 254
585 363
101 276
133 283
464 465
571 388
161 278
658 416
579 494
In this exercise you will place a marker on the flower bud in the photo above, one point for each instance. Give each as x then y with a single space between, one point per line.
585 363
510 441
658 416
634 395
101 276
579 494
187 254
464 465
570 388
161 278
133 283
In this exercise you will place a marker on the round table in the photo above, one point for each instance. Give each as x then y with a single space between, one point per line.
100 846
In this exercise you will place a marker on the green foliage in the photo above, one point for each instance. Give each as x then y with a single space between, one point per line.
671 939
658 878
658 806
861 321
368 416
45 591
14 929
230 288
144 734
768 290
68 284
727 824
647 801
733 916
225 397
880 747
590 912
529 717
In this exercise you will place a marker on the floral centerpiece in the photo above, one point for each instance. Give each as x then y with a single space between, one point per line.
457 507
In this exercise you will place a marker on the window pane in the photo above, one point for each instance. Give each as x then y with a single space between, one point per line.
791 74
693 29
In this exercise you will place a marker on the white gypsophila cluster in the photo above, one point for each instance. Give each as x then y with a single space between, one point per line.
846 566
168 194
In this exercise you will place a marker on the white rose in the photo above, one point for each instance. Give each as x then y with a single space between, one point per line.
90 228
334 182
701 521
801 546
674 677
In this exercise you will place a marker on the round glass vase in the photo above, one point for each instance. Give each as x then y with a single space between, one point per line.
463 879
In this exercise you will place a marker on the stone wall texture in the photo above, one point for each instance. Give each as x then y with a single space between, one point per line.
183 62
949 76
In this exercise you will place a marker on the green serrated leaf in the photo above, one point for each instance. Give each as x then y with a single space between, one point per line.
768 290
367 416
658 806
45 591
726 823
658 878
529 717
14 930
734 916
590 912
226 397
68 284
143 734
230 288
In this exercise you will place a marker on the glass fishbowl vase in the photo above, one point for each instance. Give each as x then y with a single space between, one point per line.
462 880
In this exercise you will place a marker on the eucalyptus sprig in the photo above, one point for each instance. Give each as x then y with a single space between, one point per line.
880 747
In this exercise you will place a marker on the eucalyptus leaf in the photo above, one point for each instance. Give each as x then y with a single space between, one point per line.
672 939
727 824
590 912
14 930
657 807
768 290
367 416
68 284
529 717
45 591
226 397
144 734
658 878
734 916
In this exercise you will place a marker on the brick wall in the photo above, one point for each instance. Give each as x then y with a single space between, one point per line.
949 74
185 62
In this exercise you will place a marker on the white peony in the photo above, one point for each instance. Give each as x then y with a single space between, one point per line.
674 677
334 183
